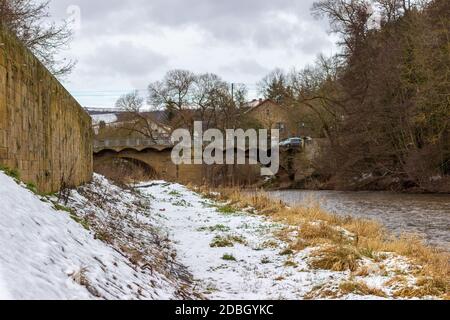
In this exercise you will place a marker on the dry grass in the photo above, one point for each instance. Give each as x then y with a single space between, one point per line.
336 258
397 281
424 287
322 232
80 277
360 288
362 272
322 292
342 251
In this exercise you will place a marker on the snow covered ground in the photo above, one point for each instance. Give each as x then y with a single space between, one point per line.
159 241
235 255
45 254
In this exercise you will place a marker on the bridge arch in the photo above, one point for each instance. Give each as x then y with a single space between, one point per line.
158 164
157 158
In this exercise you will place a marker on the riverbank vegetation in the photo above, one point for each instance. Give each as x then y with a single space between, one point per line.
345 242
382 104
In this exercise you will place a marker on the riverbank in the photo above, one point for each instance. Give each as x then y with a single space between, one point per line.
426 215
239 248
434 185
341 243
161 240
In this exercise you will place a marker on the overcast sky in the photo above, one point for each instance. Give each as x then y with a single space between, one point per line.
124 45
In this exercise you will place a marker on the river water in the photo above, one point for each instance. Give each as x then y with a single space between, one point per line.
425 215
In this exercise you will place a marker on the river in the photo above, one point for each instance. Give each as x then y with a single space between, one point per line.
422 214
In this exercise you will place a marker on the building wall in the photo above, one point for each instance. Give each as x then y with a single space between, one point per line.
270 115
44 132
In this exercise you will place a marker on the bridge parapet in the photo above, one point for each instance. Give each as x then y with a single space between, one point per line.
138 144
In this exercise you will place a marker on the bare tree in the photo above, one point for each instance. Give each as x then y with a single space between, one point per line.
276 86
131 102
206 97
348 18
138 121
28 20
174 94
388 101
186 97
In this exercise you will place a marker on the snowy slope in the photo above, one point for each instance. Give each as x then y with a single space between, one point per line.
44 254
157 243
4 292
258 269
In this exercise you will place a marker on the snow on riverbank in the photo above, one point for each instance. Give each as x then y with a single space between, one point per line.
237 256
45 254
161 241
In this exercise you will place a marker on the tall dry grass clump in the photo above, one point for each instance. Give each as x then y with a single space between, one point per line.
343 241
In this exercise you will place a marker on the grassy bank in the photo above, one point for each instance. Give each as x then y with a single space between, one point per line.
341 243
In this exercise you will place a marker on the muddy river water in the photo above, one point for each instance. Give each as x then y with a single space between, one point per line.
426 215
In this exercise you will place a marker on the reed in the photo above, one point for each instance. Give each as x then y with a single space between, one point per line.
343 240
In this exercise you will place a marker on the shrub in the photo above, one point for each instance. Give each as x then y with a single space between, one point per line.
228 241
227 209
229 257
220 242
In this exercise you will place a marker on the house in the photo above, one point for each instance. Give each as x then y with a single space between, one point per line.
116 123
271 115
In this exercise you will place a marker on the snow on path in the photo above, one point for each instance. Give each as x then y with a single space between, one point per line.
44 254
4 292
260 271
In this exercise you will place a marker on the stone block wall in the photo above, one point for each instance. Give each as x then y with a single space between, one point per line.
44 132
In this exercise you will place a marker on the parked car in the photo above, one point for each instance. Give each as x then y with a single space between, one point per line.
292 143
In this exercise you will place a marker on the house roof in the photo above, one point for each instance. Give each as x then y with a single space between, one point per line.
256 103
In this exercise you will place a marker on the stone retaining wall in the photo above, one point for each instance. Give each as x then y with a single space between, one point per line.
44 132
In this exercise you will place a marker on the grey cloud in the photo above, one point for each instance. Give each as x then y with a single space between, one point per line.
244 39
245 66
124 59
231 21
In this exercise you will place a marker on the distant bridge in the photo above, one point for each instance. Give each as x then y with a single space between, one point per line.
157 155
138 144
152 153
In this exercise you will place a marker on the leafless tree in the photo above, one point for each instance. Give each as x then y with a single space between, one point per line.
131 102
187 97
206 96
138 121
388 95
28 19
348 18
174 94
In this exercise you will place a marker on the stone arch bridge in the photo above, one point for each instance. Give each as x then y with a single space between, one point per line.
156 155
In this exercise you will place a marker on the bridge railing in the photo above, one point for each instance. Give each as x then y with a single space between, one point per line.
131 142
